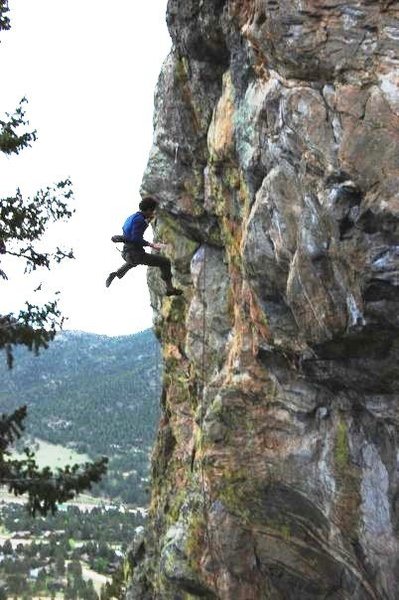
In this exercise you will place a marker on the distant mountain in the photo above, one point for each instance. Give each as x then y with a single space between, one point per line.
95 393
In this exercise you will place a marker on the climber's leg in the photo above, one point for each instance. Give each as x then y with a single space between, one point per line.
163 263
130 262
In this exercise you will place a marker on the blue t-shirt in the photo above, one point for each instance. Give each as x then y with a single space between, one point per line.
134 228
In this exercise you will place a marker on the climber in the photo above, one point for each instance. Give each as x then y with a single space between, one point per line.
133 248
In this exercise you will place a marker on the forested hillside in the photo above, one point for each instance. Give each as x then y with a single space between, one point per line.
96 394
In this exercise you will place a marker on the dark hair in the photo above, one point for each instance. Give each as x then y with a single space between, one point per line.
148 203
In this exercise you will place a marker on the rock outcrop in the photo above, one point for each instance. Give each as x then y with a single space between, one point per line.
276 163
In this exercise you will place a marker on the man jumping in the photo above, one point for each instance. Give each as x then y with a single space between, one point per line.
133 248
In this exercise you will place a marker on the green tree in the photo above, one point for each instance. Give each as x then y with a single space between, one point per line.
100 564
60 562
23 222
90 593
4 19
115 589
7 548
69 593
75 569
45 489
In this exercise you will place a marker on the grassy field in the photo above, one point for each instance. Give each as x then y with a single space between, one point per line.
97 579
54 455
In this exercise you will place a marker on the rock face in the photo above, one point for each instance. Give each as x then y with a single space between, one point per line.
276 163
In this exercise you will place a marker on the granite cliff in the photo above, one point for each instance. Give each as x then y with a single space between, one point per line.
275 159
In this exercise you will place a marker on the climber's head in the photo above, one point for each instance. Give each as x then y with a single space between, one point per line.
148 206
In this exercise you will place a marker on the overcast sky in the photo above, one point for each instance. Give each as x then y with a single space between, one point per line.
89 70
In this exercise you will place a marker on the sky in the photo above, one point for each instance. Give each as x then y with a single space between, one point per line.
89 70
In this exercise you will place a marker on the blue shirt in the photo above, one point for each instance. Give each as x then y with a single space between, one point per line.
134 228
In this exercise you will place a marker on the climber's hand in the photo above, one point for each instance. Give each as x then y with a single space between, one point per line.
158 246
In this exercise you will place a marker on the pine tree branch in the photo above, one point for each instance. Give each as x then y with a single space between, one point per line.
4 20
10 141
45 488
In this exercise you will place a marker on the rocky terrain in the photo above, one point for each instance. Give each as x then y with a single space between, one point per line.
275 160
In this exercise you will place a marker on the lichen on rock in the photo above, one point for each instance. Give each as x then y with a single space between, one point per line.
275 162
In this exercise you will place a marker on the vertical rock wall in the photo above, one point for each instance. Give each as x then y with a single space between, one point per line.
276 162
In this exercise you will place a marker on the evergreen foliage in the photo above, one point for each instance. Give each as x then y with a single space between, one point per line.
23 222
96 395
22 225
11 141
50 553
4 19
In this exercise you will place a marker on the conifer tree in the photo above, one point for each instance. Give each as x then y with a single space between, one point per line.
4 19
23 222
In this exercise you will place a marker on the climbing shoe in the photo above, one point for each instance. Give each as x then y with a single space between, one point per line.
173 292
110 279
